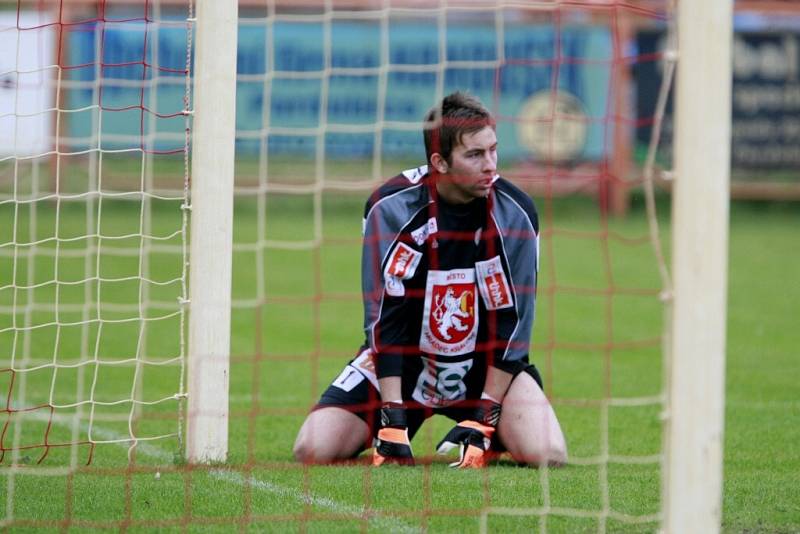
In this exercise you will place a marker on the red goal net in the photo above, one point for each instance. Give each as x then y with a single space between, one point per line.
95 138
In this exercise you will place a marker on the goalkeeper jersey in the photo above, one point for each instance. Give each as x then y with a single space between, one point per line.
450 286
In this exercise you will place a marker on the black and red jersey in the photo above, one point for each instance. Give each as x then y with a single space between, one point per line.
448 282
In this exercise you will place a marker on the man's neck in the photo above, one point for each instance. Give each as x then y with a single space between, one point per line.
451 194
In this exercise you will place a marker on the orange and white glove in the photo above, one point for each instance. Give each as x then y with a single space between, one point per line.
472 436
392 445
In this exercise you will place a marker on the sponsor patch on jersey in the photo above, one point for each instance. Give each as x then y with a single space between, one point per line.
423 232
356 371
402 265
402 262
348 379
441 383
493 284
394 286
450 315
415 175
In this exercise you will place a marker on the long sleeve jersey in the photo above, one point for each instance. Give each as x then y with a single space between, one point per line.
448 281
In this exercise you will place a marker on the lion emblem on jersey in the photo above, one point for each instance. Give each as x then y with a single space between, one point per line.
450 321
453 314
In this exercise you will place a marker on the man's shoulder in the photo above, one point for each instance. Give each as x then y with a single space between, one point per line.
522 204
410 181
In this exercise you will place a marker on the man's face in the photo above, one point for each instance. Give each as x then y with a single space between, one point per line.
473 167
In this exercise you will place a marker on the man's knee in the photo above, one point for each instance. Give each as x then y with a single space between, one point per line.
328 435
303 450
529 426
307 453
309 450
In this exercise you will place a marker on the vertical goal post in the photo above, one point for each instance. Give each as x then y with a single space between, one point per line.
692 498
211 254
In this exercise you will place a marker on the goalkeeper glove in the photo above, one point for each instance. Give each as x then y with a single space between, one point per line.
392 445
473 436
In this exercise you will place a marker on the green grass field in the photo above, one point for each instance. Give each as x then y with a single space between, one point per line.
298 319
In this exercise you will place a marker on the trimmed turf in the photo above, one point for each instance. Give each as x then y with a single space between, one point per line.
596 336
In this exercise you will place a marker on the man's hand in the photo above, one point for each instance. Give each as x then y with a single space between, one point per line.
392 444
473 436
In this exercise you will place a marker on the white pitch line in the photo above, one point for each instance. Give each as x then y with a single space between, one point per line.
384 523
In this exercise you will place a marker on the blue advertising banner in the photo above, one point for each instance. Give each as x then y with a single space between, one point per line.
303 97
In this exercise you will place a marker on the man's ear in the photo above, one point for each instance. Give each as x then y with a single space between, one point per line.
439 163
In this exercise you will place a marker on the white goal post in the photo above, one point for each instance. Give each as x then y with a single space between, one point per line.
211 255
692 494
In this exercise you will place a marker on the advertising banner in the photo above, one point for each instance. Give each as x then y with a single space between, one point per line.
26 90
766 98
341 81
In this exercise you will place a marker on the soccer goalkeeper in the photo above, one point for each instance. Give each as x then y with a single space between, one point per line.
449 269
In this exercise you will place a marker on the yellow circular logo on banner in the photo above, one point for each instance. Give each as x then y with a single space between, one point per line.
553 126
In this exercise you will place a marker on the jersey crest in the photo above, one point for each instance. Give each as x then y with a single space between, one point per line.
450 318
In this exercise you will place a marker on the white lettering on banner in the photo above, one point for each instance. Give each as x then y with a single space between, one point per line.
450 318
493 284
441 383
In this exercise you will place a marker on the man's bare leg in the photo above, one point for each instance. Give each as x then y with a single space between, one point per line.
330 434
528 425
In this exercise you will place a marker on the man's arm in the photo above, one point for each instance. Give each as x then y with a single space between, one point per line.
517 221
497 384
391 389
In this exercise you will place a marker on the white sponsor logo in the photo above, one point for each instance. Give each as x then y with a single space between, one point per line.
441 383
493 284
401 266
423 232
450 318
403 262
415 175
394 286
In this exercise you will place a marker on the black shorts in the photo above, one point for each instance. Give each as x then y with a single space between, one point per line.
355 390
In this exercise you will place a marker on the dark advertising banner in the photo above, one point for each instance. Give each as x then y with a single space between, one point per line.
766 98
